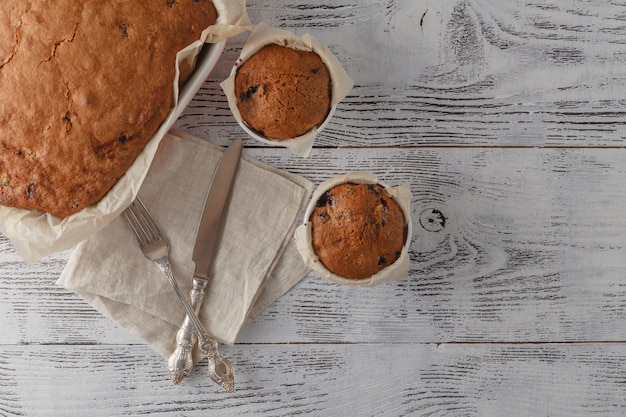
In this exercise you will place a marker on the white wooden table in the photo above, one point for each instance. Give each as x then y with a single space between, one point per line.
508 118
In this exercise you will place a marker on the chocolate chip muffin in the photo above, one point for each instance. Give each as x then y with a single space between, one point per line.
282 93
357 230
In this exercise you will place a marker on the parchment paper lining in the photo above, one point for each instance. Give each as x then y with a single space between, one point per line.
396 271
264 35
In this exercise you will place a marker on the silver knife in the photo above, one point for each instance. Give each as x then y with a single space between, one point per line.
207 240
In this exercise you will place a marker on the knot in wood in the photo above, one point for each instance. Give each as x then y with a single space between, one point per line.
432 220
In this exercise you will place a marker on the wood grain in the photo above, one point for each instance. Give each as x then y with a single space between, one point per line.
321 380
457 73
508 119
532 250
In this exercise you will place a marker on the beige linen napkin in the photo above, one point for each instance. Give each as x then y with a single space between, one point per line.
256 263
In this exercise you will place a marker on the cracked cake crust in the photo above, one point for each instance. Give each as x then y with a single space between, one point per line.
84 85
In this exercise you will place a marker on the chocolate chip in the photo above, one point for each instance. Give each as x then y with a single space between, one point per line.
382 260
247 95
124 29
374 188
68 122
321 202
315 70
122 138
326 199
30 191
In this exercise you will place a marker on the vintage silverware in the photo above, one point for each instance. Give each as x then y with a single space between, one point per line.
155 247
180 361
207 238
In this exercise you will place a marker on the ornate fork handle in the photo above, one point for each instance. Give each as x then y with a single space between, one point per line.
180 361
220 369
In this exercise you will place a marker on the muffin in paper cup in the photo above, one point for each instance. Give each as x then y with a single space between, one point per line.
396 270
265 36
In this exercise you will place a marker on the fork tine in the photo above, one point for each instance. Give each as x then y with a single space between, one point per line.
142 224
139 224
130 216
147 220
132 221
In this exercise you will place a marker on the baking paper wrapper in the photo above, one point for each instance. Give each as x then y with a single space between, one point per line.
265 35
36 234
396 271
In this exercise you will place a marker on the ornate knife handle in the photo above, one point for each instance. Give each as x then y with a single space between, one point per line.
181 360
221 370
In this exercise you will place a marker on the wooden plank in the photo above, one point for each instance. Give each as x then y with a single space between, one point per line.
321 380
457 73
532 250
508 119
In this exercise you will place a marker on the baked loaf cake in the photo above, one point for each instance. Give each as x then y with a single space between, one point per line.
357 230
282 93
83 86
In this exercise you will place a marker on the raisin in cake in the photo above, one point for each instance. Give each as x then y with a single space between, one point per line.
83 86
357 230
282 93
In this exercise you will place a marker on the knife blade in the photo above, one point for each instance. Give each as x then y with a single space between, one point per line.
208 234
205 247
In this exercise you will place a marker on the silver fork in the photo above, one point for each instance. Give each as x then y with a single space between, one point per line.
155 247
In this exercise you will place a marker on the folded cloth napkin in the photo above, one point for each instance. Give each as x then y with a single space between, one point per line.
255 264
